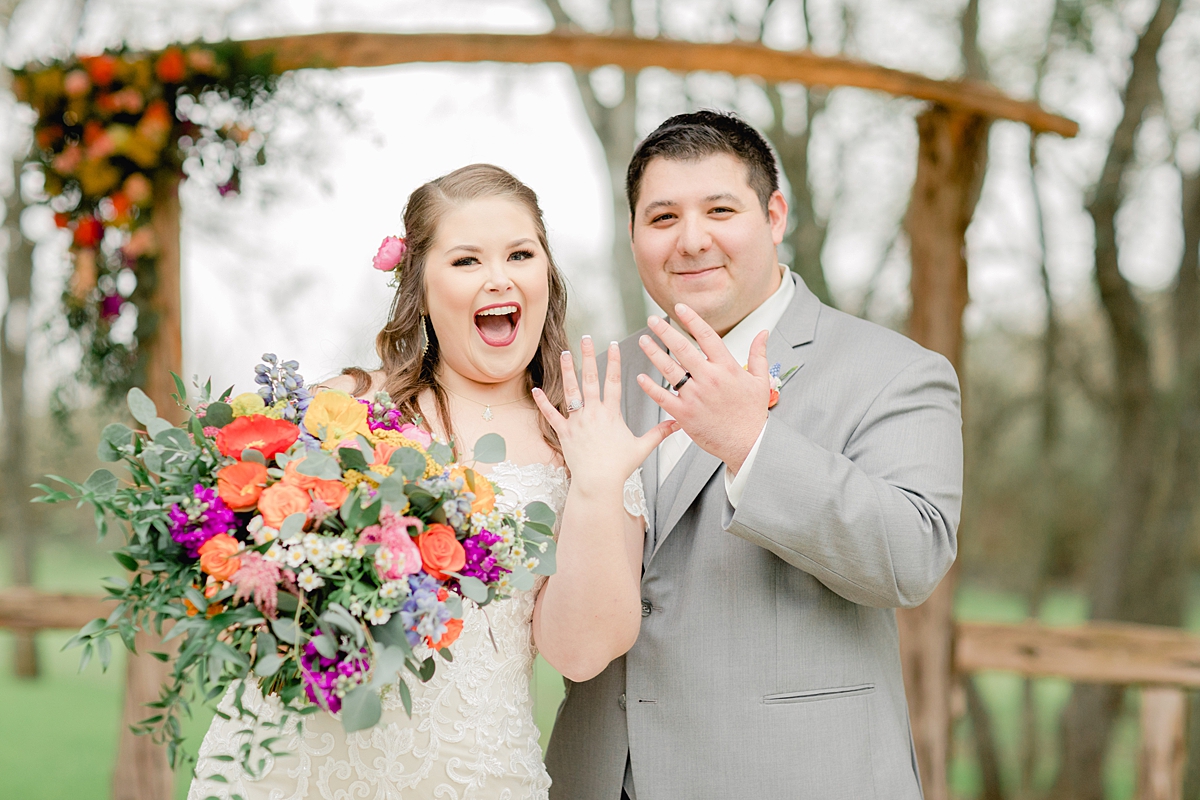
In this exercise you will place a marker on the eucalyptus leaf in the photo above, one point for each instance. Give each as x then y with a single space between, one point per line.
320 465
268 665
114 436
428 667
537 511
392 634
490 449
326 645
441 453
391 489
361 708
546 561
388 663
364 446
292 523
352 458
175 439
156 426
454 604
409 462
101 483
141 406
405 697
287 603
286 629
473 588
218 415
250 454
521 579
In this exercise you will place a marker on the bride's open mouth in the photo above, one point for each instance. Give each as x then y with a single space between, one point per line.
497 324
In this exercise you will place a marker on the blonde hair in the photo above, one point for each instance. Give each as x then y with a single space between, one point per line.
407 370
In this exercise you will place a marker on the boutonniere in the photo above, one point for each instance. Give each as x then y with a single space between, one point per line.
777 382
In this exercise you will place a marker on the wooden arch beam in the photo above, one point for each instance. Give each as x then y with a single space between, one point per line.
332 50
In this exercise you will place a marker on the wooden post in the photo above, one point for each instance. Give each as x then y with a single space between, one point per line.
142 771
949 174
1163 749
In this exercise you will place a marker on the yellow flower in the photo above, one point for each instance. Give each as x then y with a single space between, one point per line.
352 478
247 403
333 416
276 411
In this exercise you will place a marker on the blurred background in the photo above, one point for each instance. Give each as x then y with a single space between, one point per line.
1057 430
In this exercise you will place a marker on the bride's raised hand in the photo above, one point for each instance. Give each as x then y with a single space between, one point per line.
597 445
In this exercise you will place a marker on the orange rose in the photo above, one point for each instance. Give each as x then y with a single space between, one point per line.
217 557
440 551
453 629
331 493
293 478
281 501
241 484
485 495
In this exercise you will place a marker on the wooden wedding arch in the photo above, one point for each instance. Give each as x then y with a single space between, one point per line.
953 131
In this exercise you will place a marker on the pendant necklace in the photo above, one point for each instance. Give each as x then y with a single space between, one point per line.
487 407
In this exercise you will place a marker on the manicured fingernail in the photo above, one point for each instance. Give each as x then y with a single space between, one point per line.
680 308
566 353
613 343
587 336
644 339
655 321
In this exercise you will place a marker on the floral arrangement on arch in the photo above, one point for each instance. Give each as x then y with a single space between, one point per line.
320 546
112 135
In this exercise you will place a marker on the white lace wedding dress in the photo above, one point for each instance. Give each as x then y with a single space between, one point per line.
472 733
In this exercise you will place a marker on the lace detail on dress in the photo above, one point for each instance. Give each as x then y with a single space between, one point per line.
634 496
471 736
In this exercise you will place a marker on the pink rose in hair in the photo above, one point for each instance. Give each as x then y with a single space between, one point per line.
391 251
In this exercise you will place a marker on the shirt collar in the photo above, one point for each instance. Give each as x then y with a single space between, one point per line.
763 318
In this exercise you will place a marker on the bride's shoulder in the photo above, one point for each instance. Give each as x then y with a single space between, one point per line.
364 384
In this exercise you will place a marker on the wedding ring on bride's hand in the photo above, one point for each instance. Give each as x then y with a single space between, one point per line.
686 377
575 405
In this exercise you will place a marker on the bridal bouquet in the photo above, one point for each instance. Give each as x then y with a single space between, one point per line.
315 544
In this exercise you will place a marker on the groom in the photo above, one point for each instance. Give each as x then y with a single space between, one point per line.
784 528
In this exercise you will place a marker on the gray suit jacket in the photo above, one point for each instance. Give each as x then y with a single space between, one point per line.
767 663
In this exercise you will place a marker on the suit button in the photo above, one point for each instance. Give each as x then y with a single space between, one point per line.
645 608
621 701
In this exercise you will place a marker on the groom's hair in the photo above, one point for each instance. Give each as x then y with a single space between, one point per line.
699 134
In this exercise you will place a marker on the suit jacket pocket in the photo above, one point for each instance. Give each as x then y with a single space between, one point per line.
783 698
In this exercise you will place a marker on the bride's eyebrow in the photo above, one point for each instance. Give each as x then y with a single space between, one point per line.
470 248
519 242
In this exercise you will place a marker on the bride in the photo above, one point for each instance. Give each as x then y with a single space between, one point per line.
475 344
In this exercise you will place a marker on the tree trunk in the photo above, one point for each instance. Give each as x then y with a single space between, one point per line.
616 128
953 147
1088 718
15 494
142 771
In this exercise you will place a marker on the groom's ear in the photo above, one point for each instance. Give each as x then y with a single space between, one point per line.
631 227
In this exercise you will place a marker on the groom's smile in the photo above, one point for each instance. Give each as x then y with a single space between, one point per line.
701 237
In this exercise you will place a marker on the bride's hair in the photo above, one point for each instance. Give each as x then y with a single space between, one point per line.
408 371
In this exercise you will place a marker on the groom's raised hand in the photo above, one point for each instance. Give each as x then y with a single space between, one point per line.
722 406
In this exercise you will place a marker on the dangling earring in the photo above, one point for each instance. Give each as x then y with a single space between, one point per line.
424 337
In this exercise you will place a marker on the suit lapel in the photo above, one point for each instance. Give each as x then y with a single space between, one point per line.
695 469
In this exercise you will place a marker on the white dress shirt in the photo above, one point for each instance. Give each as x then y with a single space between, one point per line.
738 342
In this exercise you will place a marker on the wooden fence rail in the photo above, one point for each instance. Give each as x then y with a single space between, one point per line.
1164 662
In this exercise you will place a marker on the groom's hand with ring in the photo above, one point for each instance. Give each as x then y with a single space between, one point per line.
721 406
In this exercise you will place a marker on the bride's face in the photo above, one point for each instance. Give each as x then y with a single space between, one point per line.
487 286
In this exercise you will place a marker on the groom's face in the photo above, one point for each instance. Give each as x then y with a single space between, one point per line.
700 237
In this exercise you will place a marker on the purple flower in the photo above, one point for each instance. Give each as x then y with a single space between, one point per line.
423 614
481 563
199 518
110 306
327 680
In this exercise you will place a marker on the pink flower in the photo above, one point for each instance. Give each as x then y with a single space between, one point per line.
398 555
391 251
416 434
258 578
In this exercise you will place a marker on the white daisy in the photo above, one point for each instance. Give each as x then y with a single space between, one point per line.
356 608
309 581
360 550
390 589
275 553
295 556
341 548
378 616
